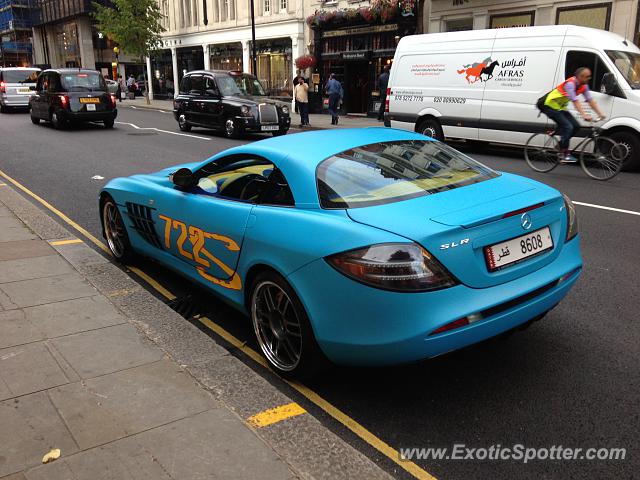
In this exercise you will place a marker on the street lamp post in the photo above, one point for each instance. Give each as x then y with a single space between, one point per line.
116 50
253 40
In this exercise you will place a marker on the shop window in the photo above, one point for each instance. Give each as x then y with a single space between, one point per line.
267 6
594 16
459 25
283 5
577 59
521 19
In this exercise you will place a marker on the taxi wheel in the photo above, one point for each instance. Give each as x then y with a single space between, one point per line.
57 122
230 128
34 120
182 123
115 232
109 123
282 328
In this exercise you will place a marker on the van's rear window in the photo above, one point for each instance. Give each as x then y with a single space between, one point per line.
20 76
388 172
83 81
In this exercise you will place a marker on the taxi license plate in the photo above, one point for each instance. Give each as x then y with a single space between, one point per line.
517 249
24 90
269 128
89 100
91 107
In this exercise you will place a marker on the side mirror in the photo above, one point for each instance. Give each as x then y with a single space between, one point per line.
610 85
183 178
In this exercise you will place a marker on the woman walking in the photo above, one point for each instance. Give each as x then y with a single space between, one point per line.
335 92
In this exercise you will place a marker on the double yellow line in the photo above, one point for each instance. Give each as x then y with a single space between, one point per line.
269 416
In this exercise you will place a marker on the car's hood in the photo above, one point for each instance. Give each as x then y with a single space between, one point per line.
474 212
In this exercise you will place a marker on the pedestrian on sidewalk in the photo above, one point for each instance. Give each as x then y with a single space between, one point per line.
122 87
335 92
302 101
383 83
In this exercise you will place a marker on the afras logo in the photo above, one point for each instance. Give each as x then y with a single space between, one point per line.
446 246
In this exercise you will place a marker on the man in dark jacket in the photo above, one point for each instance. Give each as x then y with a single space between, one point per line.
383 83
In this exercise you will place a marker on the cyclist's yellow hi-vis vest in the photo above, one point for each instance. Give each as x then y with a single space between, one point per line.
558 98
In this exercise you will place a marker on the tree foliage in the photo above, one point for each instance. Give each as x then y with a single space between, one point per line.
133 24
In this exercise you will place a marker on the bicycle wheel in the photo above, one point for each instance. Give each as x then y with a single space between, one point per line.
541 152
601 158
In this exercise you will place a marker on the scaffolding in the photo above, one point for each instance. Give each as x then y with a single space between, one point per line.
16 20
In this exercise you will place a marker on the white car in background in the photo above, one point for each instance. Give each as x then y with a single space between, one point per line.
16 86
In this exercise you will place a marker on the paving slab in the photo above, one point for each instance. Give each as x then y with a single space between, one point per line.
114 406
15 476
12 229
40 291
24 249
31 427
5 212
106 350
36 267
16 329
29 368
73 316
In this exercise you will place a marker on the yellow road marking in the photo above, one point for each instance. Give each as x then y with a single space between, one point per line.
312 396
3 184
275 415
65 242
84 232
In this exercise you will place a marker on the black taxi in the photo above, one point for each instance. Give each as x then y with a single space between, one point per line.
68 95
213 99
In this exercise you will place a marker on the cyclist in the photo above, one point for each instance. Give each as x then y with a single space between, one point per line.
555 107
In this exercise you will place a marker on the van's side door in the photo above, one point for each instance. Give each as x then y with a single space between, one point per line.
527 68
574 58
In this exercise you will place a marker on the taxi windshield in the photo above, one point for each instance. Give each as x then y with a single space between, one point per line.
387 172
628 64
249 85
227 85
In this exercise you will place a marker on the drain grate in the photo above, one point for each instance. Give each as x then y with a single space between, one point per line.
187 306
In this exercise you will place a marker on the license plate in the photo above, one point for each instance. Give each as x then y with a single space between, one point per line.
269 128
91 107
506 253
89 100
24 90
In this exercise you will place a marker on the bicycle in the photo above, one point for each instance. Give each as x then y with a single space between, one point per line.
600 157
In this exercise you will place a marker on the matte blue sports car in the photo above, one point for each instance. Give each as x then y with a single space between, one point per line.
363 247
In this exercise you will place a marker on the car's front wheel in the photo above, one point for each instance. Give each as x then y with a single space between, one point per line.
115 231
282 328
182 123
231 129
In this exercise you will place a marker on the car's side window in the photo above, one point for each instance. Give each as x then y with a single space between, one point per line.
210 87
277 191
577 59
237 178
197 84
185 85
45 82
39 87
54 83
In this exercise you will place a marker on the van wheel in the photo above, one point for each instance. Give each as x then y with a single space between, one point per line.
431 128
631 144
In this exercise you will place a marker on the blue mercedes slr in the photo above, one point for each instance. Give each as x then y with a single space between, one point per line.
362 247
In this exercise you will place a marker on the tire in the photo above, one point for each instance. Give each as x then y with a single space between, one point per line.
56 121
108 124
541 152
230 128
4 108
631 143
280 132
282 328
34 120
183 125
115 231
601 158
431 128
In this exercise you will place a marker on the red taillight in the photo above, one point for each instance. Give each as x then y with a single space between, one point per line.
2 87
522 210
386 102
113 100
64 101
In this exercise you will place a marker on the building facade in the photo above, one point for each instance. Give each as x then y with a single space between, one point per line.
217 34
16 20
64 35
618 16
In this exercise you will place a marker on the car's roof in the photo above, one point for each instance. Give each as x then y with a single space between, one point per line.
71 70
299 154
19 68
211 72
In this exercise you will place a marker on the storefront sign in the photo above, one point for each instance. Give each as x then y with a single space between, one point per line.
360 30
355 55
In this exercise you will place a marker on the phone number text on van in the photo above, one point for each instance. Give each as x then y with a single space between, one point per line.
449 100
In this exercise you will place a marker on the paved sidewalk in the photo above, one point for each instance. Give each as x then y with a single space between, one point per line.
79 372
318 121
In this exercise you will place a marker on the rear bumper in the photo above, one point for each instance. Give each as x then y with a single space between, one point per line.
359 325
14 100
88 116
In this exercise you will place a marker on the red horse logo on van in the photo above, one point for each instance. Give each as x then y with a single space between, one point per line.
473 72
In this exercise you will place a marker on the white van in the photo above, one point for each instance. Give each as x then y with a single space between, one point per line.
482 85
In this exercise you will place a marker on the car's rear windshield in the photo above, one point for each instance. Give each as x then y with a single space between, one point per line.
20 76
387 172
82 82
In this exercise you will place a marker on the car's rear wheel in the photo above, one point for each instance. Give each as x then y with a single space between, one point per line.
115 231
183 124
34 120
282 328
56 121
4 108
109 123
431 128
